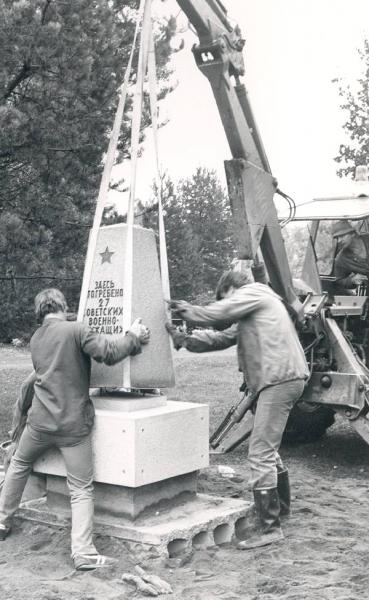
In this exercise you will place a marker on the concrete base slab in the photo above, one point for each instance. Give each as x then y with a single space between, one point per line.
201 522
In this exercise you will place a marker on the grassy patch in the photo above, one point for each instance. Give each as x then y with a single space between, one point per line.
210 380
199 378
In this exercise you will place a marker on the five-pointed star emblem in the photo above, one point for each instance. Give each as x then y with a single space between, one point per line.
106 256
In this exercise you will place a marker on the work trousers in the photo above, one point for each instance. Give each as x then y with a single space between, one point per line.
77 454
273 407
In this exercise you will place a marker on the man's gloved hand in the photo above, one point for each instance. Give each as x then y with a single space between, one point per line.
140 331
358 278
178 305
177 336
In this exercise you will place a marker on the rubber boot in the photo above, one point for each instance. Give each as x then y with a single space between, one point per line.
284 493
267 510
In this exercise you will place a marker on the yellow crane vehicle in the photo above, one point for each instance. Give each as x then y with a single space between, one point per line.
333 326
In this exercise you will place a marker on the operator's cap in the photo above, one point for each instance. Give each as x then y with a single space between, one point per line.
341 228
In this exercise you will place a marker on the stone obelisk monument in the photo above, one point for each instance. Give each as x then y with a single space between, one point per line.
104 306
147 450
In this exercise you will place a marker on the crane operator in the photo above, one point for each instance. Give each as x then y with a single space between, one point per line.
351 264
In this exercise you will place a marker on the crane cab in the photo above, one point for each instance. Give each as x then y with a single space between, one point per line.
311 245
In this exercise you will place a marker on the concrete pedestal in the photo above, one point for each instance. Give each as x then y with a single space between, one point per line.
141 446
146 450
146 460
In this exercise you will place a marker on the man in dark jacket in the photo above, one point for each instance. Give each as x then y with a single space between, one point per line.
275 369
351 265
61 414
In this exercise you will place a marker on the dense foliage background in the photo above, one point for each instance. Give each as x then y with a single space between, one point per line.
199 233
61 66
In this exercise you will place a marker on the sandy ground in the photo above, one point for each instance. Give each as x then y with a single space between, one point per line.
323 557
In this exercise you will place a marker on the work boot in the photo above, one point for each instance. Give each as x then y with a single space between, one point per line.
284 493
267 510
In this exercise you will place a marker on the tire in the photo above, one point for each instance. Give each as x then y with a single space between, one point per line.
307 423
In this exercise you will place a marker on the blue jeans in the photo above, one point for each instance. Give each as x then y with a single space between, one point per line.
274 404
77 454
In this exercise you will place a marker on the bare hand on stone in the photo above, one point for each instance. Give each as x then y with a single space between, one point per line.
140 330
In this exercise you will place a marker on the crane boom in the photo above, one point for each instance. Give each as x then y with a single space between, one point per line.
251 185
335 332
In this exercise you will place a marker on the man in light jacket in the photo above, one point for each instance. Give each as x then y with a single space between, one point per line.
275 369
60 414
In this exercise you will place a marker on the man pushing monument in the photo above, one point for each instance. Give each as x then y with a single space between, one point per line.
275 369
62 414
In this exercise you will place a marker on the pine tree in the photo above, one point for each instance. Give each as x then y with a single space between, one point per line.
62 65
198 234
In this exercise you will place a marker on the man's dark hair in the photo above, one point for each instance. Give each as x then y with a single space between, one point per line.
230 279
49 301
